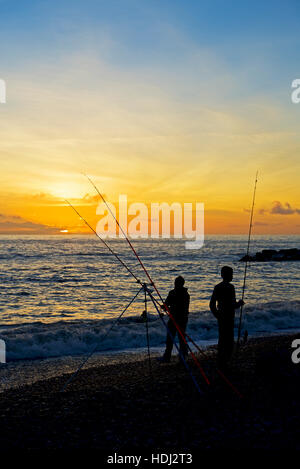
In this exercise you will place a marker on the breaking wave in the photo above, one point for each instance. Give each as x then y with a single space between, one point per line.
38 340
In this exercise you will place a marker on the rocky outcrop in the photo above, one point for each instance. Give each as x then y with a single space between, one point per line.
267 255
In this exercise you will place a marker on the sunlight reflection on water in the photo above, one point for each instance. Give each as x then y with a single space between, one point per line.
61 278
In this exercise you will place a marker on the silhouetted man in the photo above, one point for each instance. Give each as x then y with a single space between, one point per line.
178 302
222 305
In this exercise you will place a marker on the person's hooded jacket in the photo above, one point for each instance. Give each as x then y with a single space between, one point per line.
178 301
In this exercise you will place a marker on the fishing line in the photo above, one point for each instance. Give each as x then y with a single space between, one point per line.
173 339
147 330
127 268
96 346
105 244
183 335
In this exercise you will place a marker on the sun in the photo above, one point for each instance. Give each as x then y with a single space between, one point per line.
66 190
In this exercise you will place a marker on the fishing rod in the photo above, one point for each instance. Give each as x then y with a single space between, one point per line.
247 262
143 287
183 335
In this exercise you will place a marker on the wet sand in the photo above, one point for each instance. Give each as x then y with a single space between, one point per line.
16 374
121 405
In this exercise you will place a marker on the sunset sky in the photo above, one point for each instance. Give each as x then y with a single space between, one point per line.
162 100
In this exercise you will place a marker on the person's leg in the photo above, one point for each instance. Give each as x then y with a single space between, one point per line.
225 344
229 346
221 358
170 340
183 346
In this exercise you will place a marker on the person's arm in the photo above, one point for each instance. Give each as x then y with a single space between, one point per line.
213 304
187 304
237 304
168 299
167 302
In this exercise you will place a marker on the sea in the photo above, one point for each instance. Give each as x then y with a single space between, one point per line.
62 295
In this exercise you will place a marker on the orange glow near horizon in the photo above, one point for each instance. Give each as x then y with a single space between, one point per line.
54 216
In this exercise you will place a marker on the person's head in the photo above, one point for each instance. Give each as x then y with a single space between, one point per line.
179 282
226 273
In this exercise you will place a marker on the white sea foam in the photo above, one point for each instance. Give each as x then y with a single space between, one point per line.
55 339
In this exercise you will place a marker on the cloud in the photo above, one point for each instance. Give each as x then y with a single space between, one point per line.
10 224
91 199
258 223
283 209
279 208
262 211
45 199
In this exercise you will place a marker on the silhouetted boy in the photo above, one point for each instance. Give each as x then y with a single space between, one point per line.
222 305
178 302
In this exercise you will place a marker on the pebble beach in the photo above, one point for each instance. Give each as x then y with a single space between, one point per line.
119 404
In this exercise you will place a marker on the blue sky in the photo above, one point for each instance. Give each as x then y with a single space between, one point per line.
142 28
257 40
261 38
